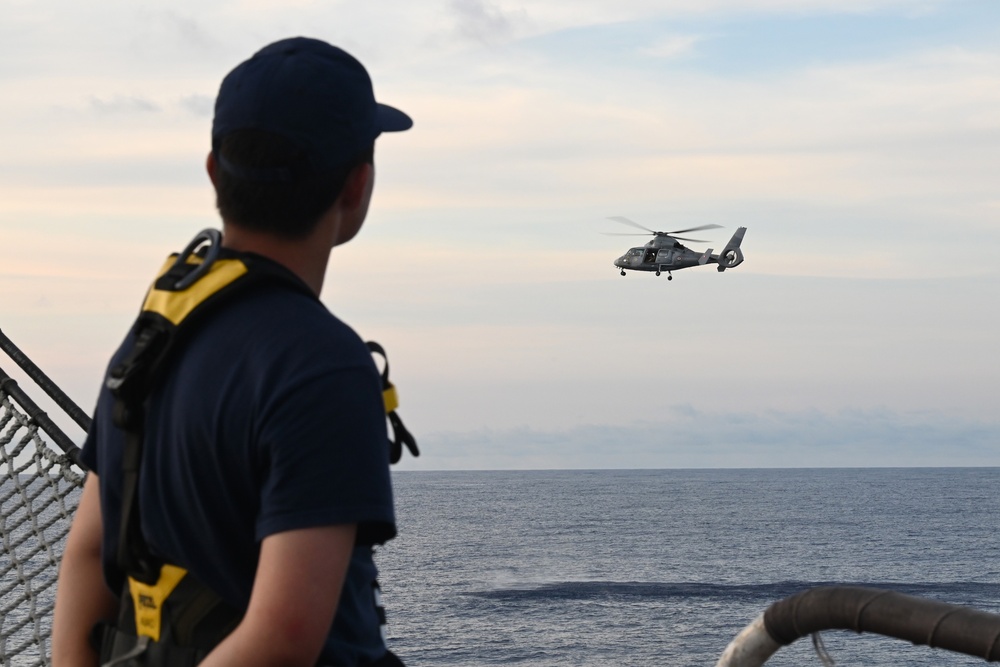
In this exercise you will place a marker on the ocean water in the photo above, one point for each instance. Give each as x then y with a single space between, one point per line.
664 567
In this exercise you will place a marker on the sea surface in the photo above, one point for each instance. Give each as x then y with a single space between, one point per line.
664 567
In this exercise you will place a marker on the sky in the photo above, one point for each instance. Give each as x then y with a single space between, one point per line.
857 140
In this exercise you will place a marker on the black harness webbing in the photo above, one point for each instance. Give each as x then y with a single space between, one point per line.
167 617
400 436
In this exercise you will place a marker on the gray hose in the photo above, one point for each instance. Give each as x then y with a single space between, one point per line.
917 620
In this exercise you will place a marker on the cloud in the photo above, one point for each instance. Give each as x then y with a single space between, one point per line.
484 22
673 46
583 12
692 438
189 31
199 105
123 104
870 153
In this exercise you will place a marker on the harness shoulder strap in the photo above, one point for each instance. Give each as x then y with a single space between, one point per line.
190 286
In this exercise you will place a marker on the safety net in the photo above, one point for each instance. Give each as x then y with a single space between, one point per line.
39 490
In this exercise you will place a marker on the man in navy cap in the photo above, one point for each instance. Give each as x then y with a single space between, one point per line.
264 468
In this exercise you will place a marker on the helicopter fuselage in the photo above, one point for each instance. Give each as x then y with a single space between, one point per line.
653 257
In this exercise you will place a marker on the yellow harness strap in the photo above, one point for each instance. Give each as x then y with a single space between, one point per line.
176 305
148 599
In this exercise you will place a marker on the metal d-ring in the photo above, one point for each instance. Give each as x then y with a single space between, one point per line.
214 239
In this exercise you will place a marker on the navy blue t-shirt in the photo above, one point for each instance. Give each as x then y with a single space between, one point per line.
269 419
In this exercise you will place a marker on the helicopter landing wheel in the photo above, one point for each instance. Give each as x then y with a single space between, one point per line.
623 272
669 277
657 273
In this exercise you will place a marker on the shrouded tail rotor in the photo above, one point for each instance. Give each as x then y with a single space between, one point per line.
731 256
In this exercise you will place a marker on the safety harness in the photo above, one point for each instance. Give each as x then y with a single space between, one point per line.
167 617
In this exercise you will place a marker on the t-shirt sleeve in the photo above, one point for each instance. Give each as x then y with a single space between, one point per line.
324 457
88 451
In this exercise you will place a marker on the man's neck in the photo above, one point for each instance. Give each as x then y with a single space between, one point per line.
306 257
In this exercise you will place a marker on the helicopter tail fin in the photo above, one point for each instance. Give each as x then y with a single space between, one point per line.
731 256
705 256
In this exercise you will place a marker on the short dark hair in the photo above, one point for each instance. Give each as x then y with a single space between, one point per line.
288 208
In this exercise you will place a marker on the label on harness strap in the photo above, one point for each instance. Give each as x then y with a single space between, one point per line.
147 600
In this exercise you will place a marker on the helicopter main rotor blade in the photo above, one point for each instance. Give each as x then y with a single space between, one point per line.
626 221
693 229
663 234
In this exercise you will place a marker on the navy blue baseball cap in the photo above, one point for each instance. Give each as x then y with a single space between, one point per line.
313 94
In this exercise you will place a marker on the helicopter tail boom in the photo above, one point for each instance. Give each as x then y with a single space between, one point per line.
731 256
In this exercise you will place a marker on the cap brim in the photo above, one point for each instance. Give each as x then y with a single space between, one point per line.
391 119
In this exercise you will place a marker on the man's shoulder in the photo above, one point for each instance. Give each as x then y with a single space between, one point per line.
283 326
273 309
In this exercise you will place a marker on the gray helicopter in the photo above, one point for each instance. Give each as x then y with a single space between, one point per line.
665 252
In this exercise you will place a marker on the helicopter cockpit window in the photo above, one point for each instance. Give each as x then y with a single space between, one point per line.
635 252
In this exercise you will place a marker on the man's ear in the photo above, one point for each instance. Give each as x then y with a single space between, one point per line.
356 187
210 167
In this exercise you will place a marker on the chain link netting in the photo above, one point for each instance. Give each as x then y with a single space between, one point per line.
39 491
